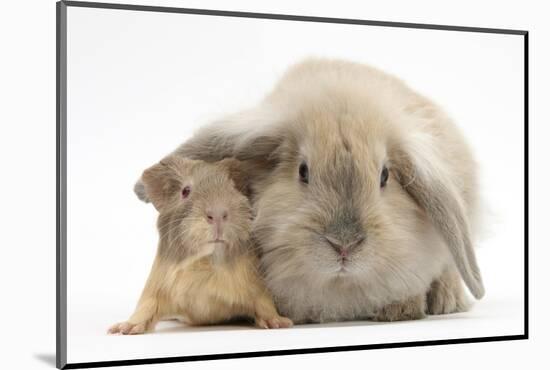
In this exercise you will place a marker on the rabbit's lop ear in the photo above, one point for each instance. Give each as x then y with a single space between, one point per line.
427 180
252 136
161 181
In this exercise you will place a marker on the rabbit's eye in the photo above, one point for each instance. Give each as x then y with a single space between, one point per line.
384 177
185 192
303 171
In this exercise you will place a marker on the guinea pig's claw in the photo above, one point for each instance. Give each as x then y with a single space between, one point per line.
127 328
274 323
115 329
261 323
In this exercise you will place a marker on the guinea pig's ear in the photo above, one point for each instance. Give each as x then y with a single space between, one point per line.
429 183
252 136
239 172
164 179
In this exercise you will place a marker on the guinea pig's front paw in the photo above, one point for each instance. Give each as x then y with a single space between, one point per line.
411 309
128 328
273 322
446 295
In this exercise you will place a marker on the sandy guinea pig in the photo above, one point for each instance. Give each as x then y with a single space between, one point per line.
205 270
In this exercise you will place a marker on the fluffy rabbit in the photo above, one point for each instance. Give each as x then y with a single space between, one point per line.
365 194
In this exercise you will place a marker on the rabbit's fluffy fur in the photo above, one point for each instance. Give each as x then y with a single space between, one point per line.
411 238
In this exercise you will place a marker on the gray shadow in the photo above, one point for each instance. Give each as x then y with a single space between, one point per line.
239 325
453 316
183 328
47 358
247 325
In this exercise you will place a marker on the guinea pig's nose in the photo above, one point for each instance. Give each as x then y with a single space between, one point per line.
216 215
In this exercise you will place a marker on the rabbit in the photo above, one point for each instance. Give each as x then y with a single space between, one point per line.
366 195
205 271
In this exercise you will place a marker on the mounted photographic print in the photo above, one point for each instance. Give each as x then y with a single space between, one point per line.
242 184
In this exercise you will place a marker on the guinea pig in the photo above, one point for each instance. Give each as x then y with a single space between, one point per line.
365 192
205 270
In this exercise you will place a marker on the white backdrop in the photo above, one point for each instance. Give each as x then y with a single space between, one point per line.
28 160
142 82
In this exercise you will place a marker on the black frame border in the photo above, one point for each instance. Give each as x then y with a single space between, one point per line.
61 183
61 186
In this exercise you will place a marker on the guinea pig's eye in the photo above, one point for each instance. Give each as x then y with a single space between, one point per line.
185 192
303 171
384 176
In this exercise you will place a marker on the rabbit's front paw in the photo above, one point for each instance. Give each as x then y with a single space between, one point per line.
446 295
413 308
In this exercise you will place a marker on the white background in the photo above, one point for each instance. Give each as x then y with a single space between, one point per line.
28 152
143 82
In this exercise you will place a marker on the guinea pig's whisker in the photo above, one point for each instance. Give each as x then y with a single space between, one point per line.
168 235
171 223
174 239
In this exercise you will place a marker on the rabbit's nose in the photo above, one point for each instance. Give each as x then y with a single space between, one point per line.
337 245
344 249
343 252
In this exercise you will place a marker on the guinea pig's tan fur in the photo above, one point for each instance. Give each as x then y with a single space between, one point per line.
406 245
193 278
